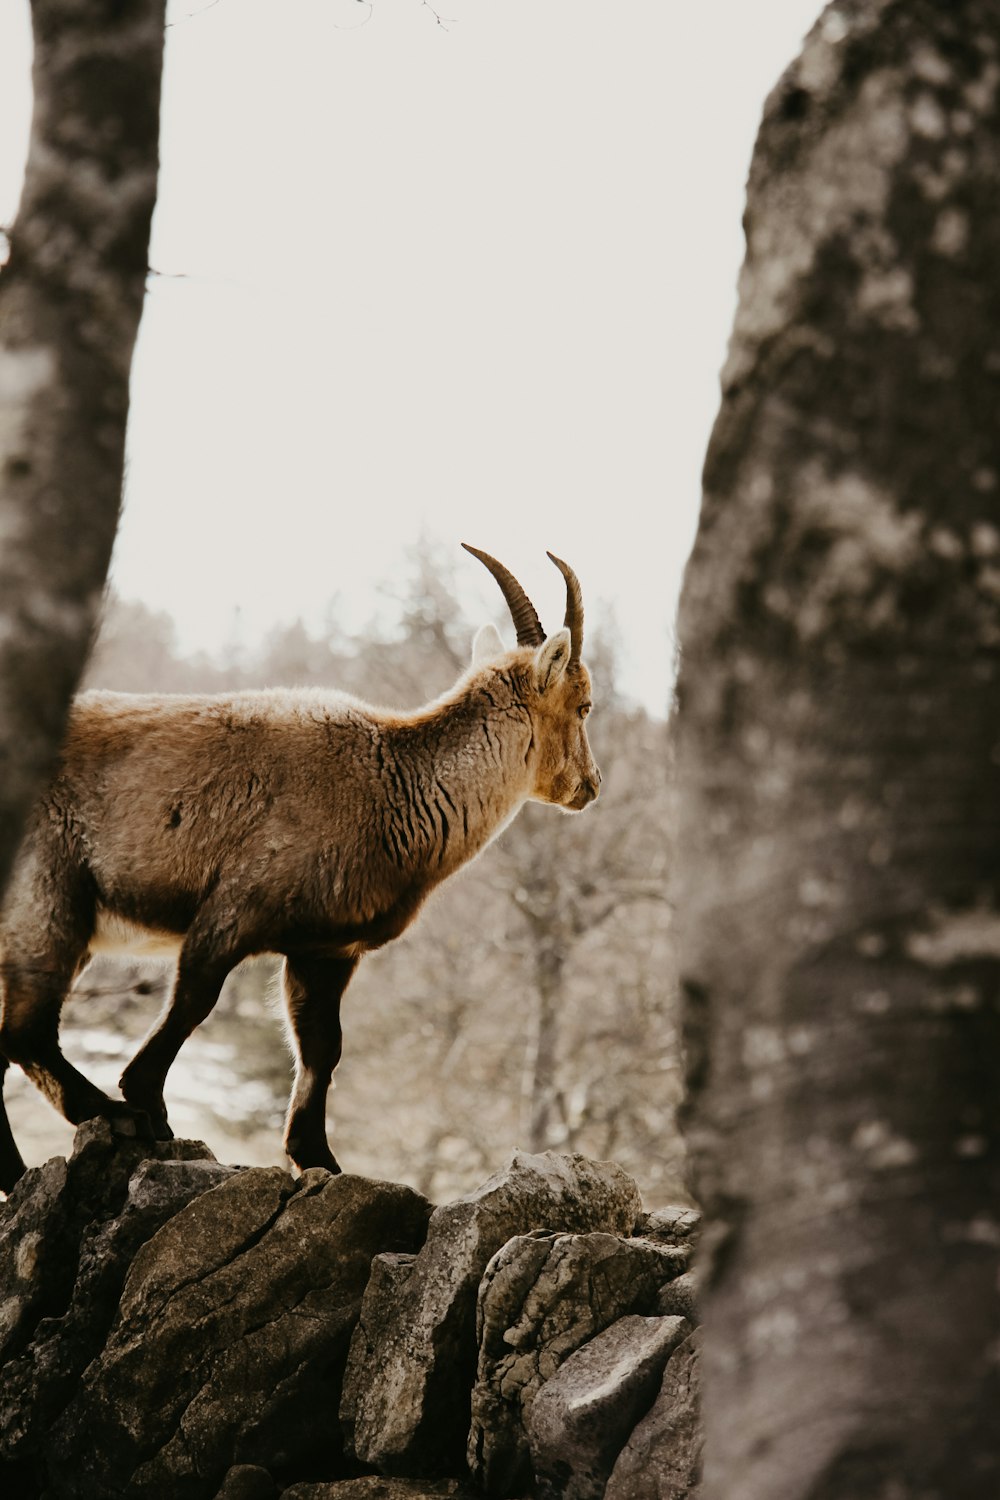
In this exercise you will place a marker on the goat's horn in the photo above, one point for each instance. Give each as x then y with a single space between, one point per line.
522 611
574 607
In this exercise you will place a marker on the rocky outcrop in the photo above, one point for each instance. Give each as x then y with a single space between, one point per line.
413 1359
662 1458
68 1235
173 1326
231 1337
582 1417
246 1482
542 1297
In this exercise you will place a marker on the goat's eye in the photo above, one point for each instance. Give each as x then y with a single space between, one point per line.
584 710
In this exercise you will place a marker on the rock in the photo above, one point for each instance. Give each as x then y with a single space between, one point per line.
49 1212
388 1274
662 1458
231 1335
248 1482
677 1225
542 1297
375 1487
406 1404
171 1326
68 1234
581 1417
679 1299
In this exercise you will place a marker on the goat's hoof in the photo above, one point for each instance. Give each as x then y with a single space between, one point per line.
304 1160
146 1108
10 1176
158 1124
132 1124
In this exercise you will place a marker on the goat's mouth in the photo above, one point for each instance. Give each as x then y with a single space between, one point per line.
585 794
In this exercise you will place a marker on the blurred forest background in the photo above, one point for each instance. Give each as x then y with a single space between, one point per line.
531 1005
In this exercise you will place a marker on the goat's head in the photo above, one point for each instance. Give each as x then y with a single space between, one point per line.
554 686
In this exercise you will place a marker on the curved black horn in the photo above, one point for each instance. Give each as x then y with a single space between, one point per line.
522 611
574 607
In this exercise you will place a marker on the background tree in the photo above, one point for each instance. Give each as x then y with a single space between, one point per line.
839 781
70 299
574 886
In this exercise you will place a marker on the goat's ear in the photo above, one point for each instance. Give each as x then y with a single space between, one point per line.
487 645
551 660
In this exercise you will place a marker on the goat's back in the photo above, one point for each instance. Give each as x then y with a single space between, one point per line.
162 797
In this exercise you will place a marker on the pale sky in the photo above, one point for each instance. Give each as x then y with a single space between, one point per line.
471 281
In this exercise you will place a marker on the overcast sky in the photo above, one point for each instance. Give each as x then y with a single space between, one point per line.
472 281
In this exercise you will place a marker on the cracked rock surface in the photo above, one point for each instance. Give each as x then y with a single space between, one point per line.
230 1338
581 1418
679 1298
662 1458
68 1234
406 1405
173 1327
542 1297
676 1225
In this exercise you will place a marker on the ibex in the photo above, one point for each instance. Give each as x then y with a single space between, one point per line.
297 822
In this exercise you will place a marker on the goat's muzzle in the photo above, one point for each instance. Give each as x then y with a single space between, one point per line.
587 791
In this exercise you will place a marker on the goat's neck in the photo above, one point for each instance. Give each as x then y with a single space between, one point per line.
462 774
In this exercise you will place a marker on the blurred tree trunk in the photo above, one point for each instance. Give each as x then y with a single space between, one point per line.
539 1087
839 781
70 300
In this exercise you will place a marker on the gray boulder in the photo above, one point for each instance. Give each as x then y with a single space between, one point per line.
542 1297
662 1458
679 1299
678 1224
230 1339
248 1482
407 1405
581 1418
68 1234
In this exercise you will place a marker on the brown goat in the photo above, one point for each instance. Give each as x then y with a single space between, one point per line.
298 822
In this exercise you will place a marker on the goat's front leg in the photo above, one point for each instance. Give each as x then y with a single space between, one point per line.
313 987
201 973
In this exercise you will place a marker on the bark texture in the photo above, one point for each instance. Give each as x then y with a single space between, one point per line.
839 771
70 300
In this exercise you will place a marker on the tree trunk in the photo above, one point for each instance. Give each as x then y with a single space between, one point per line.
70 300
839 782
538 1090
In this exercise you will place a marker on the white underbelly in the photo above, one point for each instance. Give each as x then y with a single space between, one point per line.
114 934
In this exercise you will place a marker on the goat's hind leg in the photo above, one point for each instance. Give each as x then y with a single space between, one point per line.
33 994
